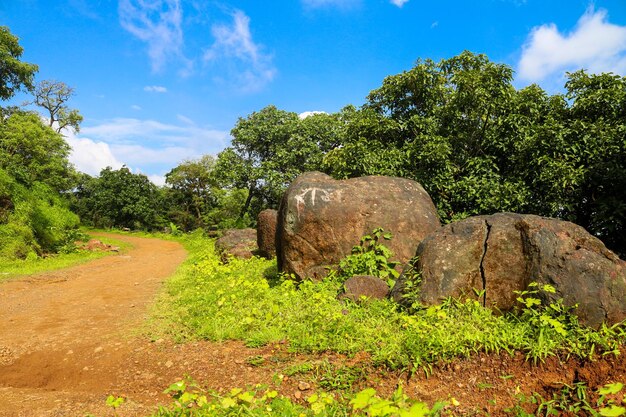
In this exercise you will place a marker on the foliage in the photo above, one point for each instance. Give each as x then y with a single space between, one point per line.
207 299
119 198
31 264
269 149
574 399
190 399
191 192
33 220
52 96
370 257
16 74
33 152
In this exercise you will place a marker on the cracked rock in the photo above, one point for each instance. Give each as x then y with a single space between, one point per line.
488 258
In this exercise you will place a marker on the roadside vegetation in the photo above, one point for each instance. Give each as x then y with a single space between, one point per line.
248 300
32 265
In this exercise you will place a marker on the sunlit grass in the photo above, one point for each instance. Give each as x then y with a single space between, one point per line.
16 268
246 300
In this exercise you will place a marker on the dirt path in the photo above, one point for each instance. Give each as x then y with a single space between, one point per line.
64 336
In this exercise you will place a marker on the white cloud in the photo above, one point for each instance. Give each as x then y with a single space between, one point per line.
135 107
399 3
185 119
90 156
250 67
306 114
158 23
149 146
145 146
155 89
157 179
594 44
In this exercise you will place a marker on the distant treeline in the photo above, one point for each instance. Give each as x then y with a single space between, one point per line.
477 144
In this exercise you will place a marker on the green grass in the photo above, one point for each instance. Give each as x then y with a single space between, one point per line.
16 268
246 300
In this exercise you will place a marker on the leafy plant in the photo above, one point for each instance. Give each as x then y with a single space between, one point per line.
370 257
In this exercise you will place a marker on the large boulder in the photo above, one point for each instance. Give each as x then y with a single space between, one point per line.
321 219
502 253
266 233
237 243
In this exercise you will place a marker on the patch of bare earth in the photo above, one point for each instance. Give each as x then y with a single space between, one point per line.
68 340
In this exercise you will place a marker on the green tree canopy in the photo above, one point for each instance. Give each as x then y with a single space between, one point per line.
14 74
33 152
119 198
192 191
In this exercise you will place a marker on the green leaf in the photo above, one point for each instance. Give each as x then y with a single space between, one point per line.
612 411
611 388
363 398
176 387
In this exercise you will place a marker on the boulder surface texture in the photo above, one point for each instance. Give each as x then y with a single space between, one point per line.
238 243
361 287
321 219
266 233
503 253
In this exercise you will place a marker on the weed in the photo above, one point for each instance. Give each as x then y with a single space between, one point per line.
301 368
209 300
256 360
573 400
370 257
341 378
259 401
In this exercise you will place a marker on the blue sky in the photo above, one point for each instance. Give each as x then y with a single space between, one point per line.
161 81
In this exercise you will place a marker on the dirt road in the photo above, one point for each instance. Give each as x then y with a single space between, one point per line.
65 337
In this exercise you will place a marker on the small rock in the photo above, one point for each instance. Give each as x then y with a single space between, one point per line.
169 364
303 386
98 349
298 395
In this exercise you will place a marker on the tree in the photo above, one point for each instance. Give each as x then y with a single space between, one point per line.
53 96
119 198
33 152
192 191
440 124
14 74
269 149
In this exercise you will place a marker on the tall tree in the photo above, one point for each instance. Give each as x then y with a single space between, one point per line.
14 74
53 97
270 148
